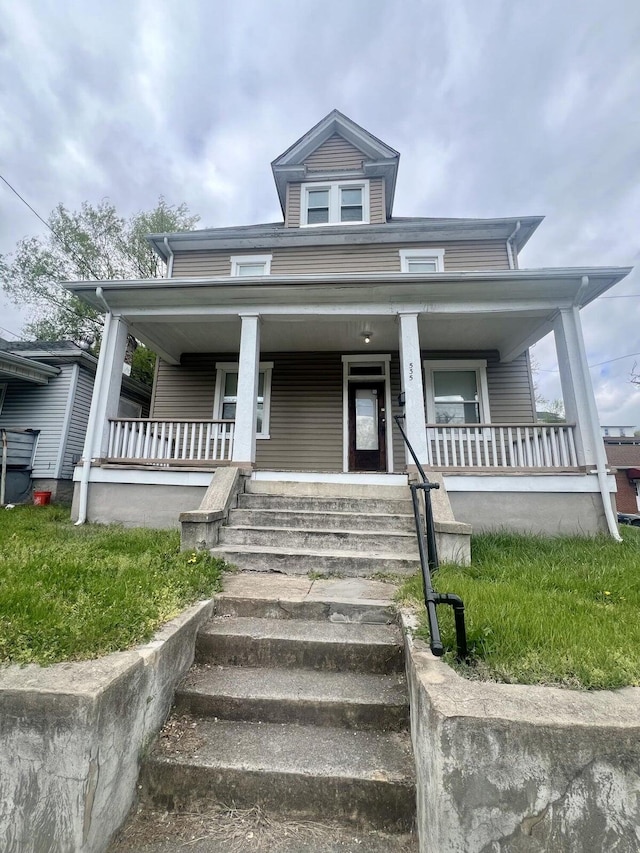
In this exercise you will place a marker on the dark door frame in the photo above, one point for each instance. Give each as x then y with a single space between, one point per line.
368 460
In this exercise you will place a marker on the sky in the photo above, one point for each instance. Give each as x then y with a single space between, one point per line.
498 108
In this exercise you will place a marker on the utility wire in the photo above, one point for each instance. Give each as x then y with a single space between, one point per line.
598 364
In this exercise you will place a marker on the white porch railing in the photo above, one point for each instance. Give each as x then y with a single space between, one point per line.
170 442
501 445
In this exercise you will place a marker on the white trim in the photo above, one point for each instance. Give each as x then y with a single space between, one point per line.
146 477
351 477
426 254
238 260
384 377
223 367
477 364
3 393
569 483
334 188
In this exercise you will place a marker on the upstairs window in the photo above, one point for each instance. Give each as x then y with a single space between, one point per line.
250 265
421 260
335 203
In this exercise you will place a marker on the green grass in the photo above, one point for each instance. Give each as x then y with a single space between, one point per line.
71 593
546 611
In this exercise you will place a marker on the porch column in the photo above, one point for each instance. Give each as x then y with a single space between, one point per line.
244 440
577 390
107 386
412 387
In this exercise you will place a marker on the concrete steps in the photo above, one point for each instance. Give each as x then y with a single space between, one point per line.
344 529
293 710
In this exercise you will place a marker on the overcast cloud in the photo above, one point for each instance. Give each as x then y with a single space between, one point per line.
498 108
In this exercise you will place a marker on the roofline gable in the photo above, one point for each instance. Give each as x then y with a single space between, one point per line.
379 159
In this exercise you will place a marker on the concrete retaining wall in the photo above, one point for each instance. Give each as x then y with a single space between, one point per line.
71 736
513 769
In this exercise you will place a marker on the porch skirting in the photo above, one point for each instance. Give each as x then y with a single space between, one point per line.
549 503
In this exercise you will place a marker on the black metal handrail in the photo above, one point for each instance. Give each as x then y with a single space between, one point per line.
429 563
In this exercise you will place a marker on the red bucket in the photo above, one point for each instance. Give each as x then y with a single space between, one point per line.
41 498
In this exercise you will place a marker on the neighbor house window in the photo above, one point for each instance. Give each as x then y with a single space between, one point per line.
335 203
129 408
3 391
226 396
250 265
421 260
457 392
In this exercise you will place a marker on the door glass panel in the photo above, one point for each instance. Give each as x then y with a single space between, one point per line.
366 419
455 394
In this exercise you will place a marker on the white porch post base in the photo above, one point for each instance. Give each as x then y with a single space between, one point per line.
412 386
244 440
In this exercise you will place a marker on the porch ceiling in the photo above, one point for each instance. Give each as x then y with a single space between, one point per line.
345 333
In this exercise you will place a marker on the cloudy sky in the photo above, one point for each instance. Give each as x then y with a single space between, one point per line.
499 108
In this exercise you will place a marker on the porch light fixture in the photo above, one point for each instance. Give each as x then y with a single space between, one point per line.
366 337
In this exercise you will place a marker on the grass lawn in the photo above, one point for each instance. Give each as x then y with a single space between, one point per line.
554 611
70 593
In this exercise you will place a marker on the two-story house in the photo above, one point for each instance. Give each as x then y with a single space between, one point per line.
286 348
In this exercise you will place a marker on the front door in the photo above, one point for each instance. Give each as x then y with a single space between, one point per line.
367 430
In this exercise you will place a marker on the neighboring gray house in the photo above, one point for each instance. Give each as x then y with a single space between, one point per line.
45 396
284 348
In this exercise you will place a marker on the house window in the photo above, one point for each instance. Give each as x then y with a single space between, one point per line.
421 260
457 392
335 203
129 408
226 396
250 265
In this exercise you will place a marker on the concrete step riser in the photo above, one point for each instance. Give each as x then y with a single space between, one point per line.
363 543
387 717
320 520
181 787
359 505
242 650
342 566
328 490
316 611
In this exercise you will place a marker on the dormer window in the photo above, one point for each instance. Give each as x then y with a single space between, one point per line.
250 265
421 260
335 203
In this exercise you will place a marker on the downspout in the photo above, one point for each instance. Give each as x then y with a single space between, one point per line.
510 255
83 498
3 476
170 258
594 422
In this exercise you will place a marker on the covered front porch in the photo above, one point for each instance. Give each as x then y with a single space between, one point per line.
290 376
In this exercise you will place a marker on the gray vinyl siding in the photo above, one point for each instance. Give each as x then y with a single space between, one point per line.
469 255
79 420
39 407
306 421
334 154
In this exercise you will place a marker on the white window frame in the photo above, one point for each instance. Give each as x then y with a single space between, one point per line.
479 365
237 262
224 367
385 377
334 188
429 254
3 393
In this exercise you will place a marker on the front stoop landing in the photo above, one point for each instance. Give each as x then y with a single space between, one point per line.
296 708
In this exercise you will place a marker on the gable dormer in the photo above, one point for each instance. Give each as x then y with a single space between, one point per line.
336 174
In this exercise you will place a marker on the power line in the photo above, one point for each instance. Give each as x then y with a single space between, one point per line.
598 364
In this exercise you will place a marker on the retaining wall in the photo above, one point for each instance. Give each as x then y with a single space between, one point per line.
71 736
505 768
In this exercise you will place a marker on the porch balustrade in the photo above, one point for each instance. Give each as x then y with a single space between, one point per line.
501 446
164 443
